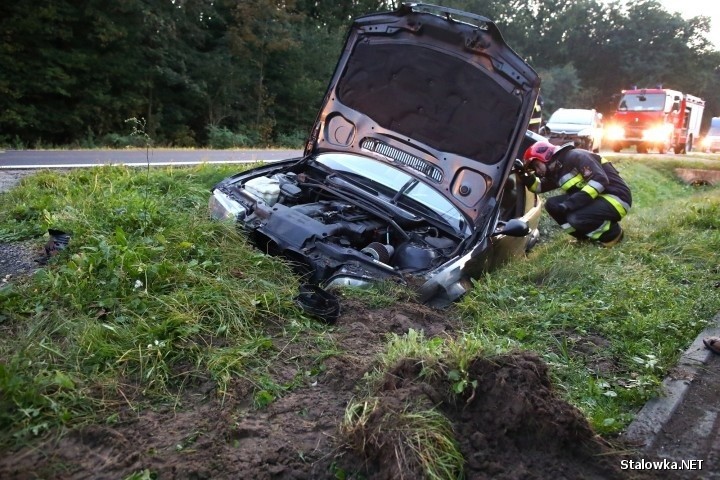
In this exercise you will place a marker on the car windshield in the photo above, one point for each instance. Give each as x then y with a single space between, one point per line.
634 102
395 180
576 117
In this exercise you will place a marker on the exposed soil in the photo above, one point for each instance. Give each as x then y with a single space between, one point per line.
17 258
511 425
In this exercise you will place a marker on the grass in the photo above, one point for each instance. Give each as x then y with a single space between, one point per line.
646 299
419 437
150 296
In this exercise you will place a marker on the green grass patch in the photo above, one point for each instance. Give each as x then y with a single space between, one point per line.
148 297
611 322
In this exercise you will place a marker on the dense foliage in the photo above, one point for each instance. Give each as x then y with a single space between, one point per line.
229 73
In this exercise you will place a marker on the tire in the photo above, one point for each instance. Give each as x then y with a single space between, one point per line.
642 149
679 149
616 148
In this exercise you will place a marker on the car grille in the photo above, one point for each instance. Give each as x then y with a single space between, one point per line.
405 158
560 138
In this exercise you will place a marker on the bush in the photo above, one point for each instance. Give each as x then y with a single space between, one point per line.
221 137
294 139
114 140
183 137
12 143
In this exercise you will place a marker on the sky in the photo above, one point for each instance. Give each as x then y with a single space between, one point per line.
693 8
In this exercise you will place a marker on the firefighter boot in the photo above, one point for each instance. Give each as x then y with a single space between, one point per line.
614 238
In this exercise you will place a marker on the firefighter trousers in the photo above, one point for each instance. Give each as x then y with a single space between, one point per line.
596 221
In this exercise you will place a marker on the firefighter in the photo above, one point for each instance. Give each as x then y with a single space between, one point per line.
594 199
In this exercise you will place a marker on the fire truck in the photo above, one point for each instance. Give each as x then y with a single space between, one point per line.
655 118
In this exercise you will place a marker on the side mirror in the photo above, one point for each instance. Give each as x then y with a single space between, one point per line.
513 228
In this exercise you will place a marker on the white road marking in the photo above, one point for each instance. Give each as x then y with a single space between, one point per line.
133 164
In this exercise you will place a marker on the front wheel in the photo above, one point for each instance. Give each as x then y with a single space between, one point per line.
679 148
641 149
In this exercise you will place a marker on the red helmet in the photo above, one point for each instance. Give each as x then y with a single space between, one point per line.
543 151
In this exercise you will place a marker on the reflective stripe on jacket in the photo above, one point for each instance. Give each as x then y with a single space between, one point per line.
586 176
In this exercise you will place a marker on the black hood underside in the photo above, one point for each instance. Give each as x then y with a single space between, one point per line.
406 89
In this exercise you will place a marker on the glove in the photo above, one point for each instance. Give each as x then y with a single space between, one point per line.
528 178
518 165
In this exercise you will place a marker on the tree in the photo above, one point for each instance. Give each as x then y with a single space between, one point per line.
72 72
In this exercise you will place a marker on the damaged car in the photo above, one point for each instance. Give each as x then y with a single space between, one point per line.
408 172
582 127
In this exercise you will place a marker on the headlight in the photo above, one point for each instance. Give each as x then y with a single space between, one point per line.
223 207
657 134
615 132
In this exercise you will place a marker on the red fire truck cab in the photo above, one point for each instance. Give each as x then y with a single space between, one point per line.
655 118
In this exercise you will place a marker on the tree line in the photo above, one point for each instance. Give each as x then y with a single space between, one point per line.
253 72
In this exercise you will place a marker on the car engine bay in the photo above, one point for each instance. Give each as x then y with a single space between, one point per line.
327 226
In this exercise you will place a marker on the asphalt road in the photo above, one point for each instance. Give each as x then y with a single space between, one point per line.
20 159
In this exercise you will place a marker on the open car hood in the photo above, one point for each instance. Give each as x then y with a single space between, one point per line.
436 92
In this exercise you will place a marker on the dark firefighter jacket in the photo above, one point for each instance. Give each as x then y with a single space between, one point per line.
585 176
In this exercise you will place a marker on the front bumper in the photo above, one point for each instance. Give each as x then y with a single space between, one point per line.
577 140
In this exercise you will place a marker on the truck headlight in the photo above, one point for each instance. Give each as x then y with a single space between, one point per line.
657 134
615 132
222 207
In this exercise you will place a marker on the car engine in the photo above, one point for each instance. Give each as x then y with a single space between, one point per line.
323 230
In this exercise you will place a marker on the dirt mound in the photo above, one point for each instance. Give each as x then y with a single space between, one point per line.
511 425
515 426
